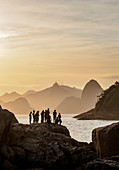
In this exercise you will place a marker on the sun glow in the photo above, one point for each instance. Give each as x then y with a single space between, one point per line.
7 34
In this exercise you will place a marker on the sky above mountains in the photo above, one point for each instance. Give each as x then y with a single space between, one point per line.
69 41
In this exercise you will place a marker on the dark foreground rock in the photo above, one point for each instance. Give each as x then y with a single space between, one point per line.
41 146
106 140
101 164
6 120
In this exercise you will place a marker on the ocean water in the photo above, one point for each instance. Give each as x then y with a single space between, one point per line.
81 130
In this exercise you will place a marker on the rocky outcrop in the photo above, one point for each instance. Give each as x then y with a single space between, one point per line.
101 164
49 146
6 120
40 146
106 140
44 146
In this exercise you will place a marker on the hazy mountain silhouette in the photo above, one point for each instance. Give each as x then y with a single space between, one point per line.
29 92
18 106
107 106
9 97
52 96
70 105
88 99
90 95
64 98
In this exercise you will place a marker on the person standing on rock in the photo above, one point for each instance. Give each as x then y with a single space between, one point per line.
30 117
49 119
56 120
59 117
37 116
54 115
46 115
42 116
48 111
33 116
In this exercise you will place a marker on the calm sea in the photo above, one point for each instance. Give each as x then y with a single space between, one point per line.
80 130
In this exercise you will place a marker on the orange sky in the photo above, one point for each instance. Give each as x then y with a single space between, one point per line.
68 41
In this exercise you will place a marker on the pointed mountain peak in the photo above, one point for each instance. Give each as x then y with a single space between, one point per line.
55 84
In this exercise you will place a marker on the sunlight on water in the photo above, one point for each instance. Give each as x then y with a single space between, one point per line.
80 130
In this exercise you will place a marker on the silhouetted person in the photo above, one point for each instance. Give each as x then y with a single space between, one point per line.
54 115
33 116
37 116
48 111
30 117
46 115
56 120
42 116
49 119
59 117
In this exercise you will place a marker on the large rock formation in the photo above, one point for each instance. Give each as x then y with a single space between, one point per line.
45 146
49 146
100 164
6 120
106 140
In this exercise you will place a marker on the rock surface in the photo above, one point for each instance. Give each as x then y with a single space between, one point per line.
101 164
106 140
41 146
6 120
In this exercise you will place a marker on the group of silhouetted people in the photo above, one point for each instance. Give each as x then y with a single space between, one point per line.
45 117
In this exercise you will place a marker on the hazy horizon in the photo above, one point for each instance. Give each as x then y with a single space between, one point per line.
69 41
60 84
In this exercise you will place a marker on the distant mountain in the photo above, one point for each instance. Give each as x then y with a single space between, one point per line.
29 92
90 95
61 97
88 99
18 106
107 107
52 96
70 105
9 97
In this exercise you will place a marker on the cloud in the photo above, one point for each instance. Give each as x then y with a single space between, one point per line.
115 77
